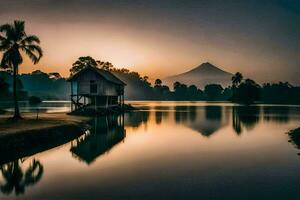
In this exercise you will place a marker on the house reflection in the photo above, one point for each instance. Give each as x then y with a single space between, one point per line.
104 134
16 180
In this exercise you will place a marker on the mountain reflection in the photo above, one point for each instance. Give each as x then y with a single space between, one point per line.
104 134
16 180
205 120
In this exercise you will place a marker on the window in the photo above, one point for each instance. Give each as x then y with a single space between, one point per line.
93 87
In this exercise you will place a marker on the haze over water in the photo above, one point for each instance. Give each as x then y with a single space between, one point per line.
178 150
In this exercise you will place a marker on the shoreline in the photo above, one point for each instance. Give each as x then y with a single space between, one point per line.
30 122
29 136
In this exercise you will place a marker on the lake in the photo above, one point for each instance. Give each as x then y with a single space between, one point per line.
167 150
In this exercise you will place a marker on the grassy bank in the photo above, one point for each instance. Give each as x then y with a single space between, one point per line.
31 123
29 136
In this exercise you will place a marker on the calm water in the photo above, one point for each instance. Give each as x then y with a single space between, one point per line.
168 150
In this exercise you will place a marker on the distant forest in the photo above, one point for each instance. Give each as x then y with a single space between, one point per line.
51 86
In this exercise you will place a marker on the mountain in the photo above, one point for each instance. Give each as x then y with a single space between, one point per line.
204 74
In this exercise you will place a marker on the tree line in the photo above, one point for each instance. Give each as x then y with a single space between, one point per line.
244 91
15 43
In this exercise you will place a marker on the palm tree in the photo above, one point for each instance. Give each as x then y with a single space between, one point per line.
15 179
13 42
236 79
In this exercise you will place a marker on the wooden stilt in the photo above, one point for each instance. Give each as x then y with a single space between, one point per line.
71 96
95 104
106 105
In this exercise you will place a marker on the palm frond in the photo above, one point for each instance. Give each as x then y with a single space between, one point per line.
37 50
6 61
19 29
8 30
5 28
30 39
5 44
2 38
32 54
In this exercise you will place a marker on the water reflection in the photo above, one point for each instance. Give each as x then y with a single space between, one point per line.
16 180
136 119
279 114
158 117
104 134
206 120
245 117
172 136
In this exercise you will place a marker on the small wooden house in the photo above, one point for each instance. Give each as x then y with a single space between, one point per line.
95 88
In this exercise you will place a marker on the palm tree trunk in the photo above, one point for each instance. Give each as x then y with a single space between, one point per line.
17 112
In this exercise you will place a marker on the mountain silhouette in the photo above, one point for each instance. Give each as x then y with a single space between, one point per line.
204 74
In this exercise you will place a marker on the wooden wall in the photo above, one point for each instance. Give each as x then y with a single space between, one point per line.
104 87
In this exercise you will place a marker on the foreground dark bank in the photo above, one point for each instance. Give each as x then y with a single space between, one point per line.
295 137
163 150
28 143
31 135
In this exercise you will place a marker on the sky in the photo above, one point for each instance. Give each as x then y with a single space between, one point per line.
160 38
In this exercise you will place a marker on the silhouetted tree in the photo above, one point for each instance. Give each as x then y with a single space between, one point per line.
54 75
145 80
81 63
192 92
236 79
288 93
14 39
213 91
227 93
105 65
247 92
157 83
180 91
176 85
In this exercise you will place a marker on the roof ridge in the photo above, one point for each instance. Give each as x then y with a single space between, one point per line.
107 75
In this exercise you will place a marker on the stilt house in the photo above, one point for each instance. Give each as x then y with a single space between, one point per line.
93 88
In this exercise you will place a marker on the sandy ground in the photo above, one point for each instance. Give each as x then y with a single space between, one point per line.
44 121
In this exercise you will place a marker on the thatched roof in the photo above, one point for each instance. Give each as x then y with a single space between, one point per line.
107 75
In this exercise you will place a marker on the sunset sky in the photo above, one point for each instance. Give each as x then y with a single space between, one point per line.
159 38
